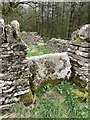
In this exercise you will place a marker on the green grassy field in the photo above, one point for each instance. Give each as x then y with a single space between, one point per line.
35 50
53 101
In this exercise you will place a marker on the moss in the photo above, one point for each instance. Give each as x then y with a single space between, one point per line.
81 90
49 81
81 94
32 86
27 98
77 39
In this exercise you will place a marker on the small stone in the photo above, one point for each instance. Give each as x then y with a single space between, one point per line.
82 53
24 61
1 75
9 90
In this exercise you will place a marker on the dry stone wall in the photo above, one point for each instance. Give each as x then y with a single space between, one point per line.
18 73
14 71
79 52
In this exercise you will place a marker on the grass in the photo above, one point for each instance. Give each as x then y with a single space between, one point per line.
53 101
49 108
35 50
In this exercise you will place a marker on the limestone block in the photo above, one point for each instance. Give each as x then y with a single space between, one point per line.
84 54
49 67
82 34
80 44
1 30
1 26
81 72
84 49
15 28
72 46
85 78
79 58
71 50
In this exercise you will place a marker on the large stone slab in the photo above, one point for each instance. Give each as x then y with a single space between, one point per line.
49 67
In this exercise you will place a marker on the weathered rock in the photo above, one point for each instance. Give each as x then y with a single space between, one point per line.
31 38
1 30
16 28
79 58
57 45
12 32
74 35
82 34
49 67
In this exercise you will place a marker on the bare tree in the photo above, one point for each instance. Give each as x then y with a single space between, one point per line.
9 7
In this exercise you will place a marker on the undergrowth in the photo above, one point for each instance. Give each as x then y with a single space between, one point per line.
72 102
67 106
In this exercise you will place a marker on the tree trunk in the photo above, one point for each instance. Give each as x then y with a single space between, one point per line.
35 18
42 9
72 8
47 29
52 19
89 12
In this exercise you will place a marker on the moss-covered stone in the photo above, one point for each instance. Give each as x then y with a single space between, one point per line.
27 98
45 82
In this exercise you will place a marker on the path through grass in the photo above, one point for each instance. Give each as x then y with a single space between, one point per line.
35 50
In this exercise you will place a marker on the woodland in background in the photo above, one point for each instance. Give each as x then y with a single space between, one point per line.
49 19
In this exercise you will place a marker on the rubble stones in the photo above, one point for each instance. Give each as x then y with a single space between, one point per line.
57 45
31 38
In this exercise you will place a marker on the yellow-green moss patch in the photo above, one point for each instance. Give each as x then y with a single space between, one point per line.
27 98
